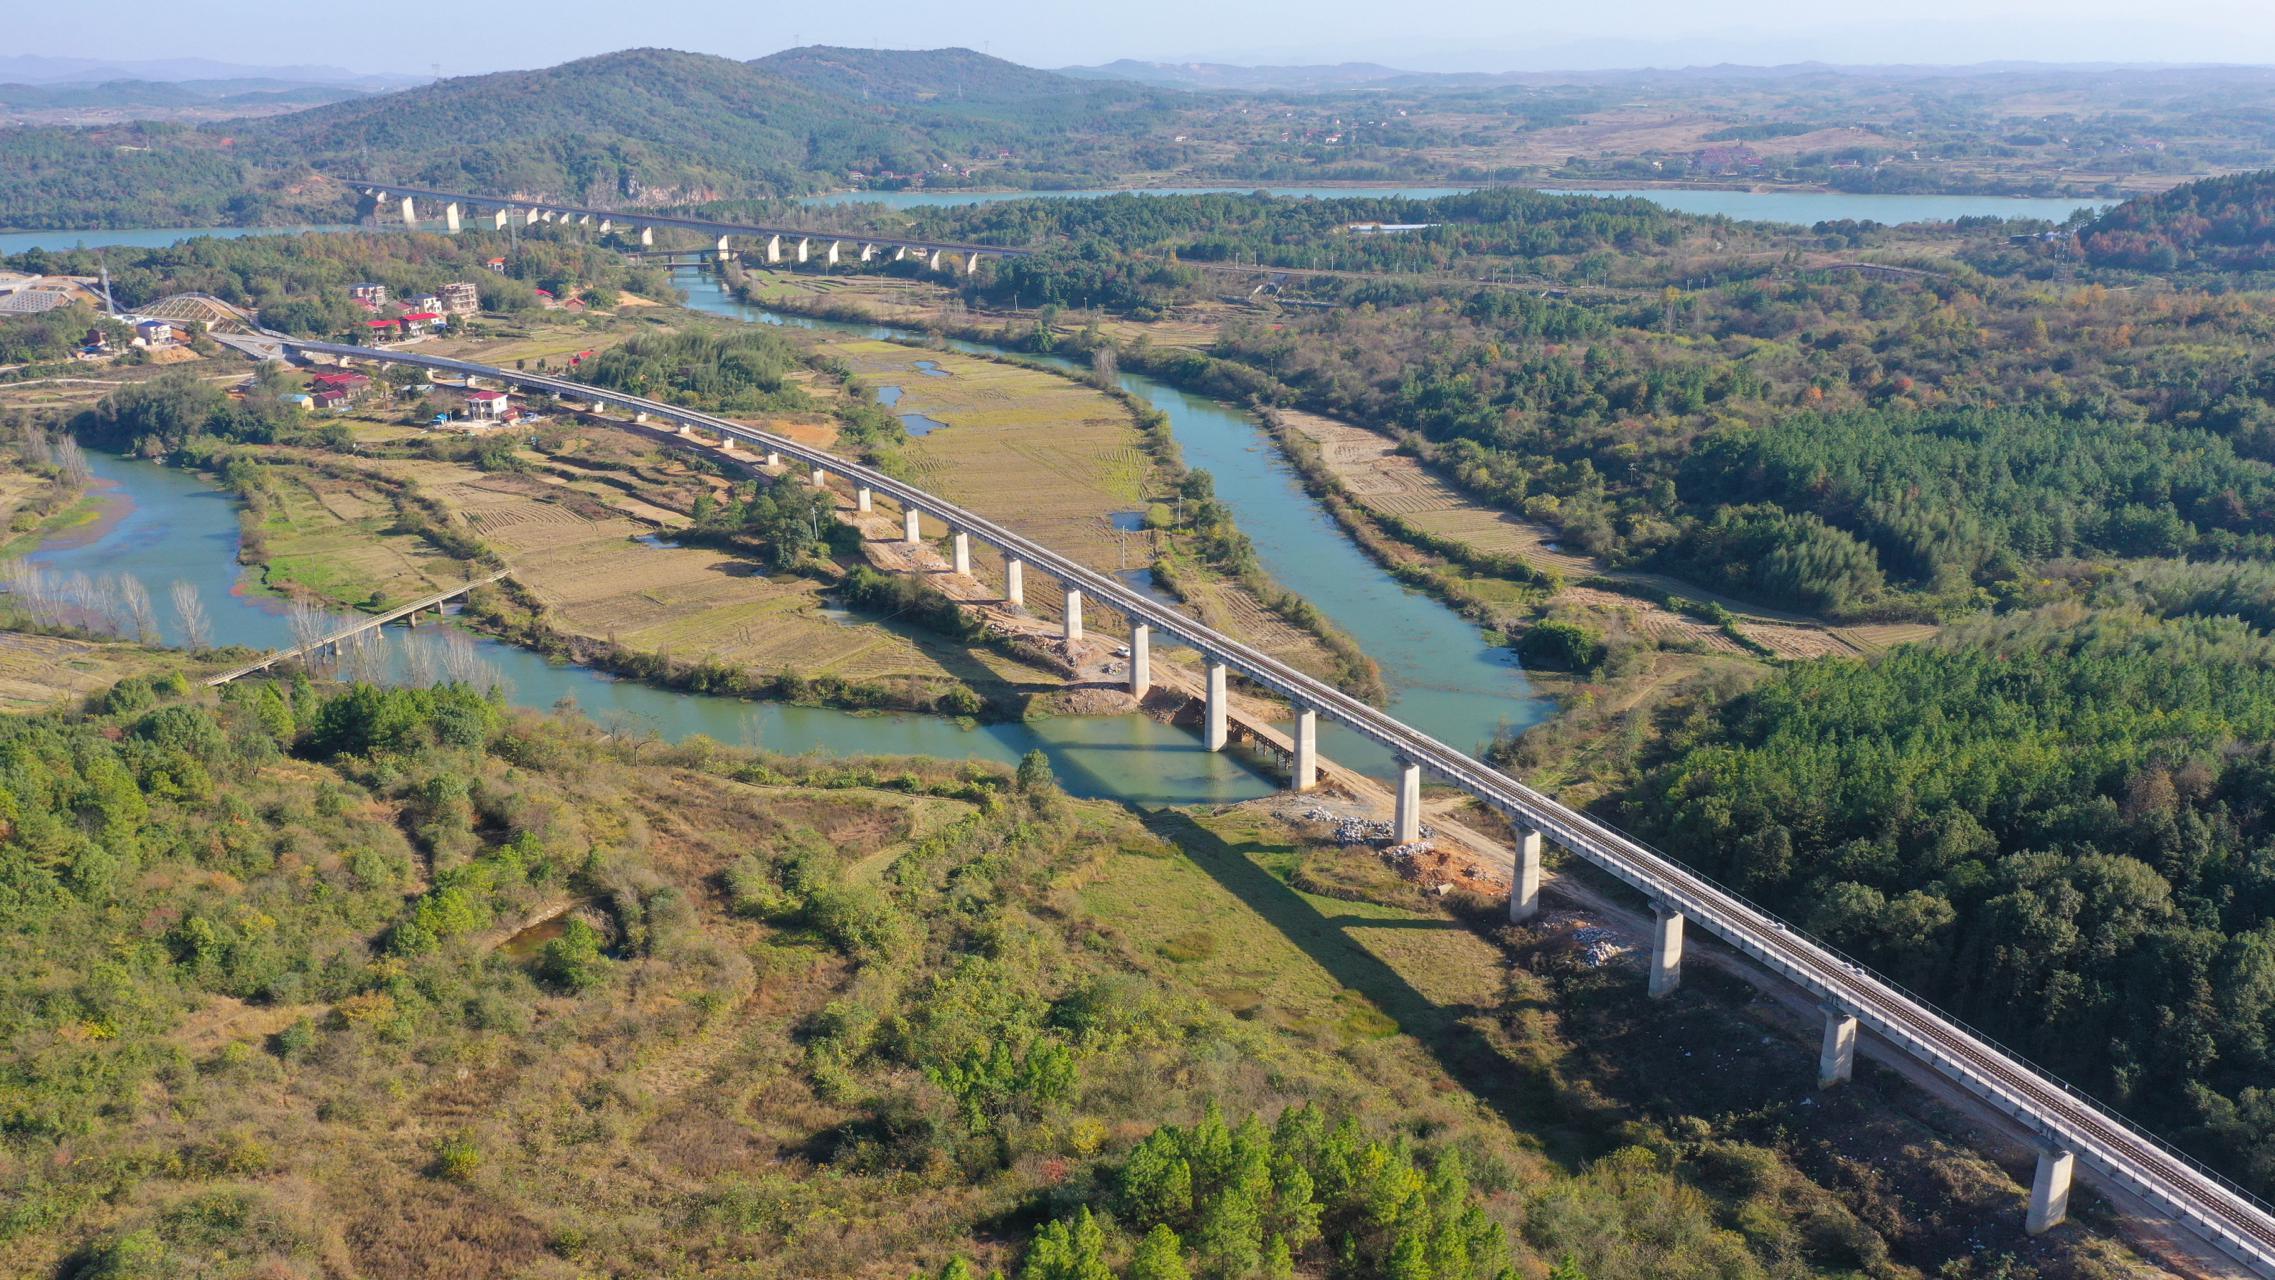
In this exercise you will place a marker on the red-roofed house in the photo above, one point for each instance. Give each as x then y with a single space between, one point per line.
380 330
348 382
487 406
417 322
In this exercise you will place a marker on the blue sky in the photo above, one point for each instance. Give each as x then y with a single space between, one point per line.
1479 35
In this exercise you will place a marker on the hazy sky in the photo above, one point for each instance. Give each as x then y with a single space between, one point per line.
1478 35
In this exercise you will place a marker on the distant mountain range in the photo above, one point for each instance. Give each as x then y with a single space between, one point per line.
32 69
1223 75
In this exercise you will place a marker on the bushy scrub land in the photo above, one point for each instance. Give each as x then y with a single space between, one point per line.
320 980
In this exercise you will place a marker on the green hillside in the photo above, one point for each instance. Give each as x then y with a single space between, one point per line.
642 125
923 75
2220 224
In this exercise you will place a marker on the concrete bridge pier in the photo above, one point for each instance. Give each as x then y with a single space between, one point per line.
1216 731
606 225
1306 736
498 220
450 217
868 252
529 216
1015 582
909 518
773 250
773 457
820 478
410 212
971 262
1524 877
862 502
2050 1189
1836 1062
1073 615
934 264
1406 818
1141 659
960 548
1666 950
647 237
726 253
803 245
831 256
900 252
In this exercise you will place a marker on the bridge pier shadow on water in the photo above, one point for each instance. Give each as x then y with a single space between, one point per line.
1521 1094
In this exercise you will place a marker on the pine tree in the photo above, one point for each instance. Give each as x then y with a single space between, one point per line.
1160 1256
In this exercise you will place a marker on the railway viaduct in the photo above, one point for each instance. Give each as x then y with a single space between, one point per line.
780 244
2071 1128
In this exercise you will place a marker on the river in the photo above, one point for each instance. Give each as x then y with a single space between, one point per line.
159 238
164 525
1443 677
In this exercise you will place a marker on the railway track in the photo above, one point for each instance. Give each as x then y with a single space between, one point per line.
2224 1214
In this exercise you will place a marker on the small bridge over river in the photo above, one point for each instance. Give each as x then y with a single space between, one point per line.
331 641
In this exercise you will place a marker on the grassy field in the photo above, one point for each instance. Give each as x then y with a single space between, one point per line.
39 672
1058 461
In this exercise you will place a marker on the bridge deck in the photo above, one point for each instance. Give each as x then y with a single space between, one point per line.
274 657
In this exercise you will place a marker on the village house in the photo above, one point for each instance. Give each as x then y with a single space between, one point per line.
488 406
497 266
424 302
155 333
373 296
331 398
419 322
460 298
345 385
380 330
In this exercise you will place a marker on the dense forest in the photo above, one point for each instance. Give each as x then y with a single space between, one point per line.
2214 224
2054 824
1908 444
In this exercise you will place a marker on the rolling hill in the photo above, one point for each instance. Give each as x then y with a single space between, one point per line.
638 126
2224 224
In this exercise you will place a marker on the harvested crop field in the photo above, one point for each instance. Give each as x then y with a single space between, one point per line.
1046 454
333 536
605 575
1391 483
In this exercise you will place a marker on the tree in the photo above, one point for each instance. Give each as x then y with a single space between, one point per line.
189 609
1159 1256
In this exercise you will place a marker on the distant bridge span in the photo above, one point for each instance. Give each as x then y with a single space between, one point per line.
778 243
2070 1126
